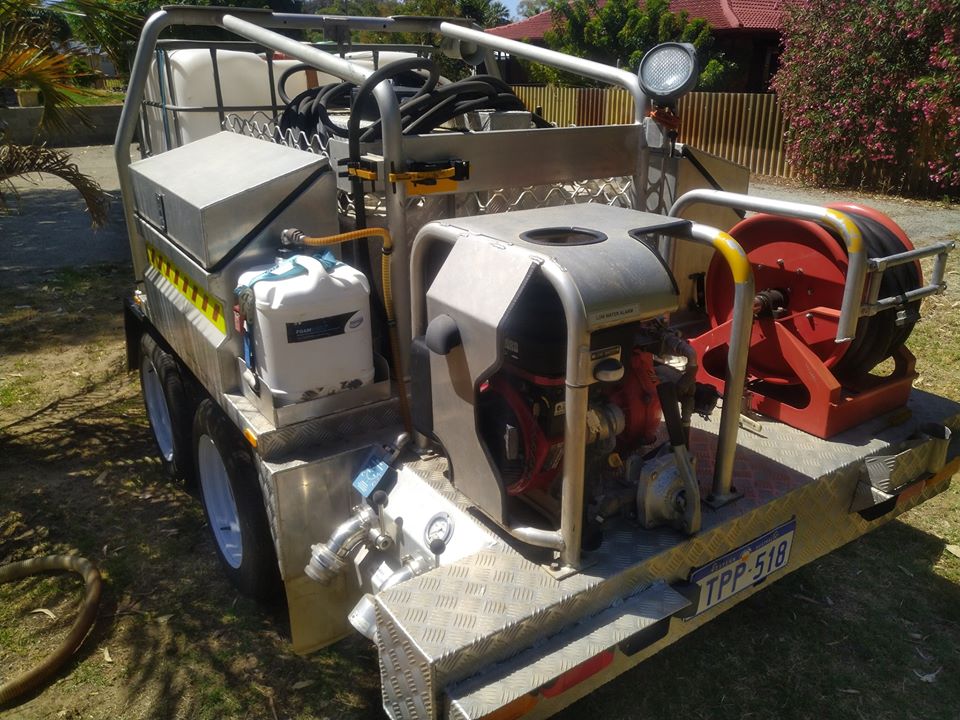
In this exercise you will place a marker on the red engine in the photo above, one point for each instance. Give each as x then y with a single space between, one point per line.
522 419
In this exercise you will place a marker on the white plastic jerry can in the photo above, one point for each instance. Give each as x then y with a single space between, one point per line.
311 334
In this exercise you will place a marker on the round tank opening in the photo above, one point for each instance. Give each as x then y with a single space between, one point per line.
563 236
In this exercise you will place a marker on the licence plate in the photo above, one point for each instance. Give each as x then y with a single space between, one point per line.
744 567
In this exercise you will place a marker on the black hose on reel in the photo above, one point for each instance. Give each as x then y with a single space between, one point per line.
878 336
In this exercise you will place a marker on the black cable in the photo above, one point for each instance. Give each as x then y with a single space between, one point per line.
284 76
502 102
419 114
413 110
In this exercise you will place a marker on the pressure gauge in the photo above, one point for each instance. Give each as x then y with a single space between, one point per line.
440 527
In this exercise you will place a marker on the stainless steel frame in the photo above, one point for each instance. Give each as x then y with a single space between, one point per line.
468 637
258 27
722 491
271 111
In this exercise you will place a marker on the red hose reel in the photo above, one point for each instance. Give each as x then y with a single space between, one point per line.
796 372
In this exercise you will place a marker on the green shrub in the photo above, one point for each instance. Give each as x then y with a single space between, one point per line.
871 92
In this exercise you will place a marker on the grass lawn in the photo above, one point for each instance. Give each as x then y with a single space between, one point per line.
93 96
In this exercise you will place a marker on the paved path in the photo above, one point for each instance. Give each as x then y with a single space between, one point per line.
49 228
923 221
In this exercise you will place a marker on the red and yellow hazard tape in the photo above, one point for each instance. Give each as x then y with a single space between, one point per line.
210 308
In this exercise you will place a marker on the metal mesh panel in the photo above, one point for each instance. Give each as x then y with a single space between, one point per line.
615 191
261 126
374 202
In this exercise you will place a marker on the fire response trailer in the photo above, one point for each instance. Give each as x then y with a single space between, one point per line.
497 394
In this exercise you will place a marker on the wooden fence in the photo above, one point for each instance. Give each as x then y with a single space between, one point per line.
743 127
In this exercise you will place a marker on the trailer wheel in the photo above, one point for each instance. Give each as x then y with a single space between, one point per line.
233 503
168 408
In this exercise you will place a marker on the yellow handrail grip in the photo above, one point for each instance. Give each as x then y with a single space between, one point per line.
848 230
734 255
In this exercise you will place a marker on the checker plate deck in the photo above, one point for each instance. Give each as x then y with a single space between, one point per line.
446 636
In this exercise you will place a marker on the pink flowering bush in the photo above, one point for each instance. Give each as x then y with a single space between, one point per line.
871 93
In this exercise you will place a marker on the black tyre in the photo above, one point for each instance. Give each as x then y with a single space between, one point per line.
168 408
233 503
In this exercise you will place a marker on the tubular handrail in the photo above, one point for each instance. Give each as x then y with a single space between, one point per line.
737 350
586 68
850 309
254 25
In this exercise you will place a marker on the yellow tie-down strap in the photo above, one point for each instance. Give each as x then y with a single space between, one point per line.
427 182
210 308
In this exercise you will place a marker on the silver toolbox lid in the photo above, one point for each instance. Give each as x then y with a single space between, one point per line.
208 195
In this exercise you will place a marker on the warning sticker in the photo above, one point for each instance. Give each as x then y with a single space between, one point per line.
210 308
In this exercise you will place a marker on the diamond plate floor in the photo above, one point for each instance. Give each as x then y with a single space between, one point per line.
447 625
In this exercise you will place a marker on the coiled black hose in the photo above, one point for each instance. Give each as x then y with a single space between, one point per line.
428 108
85 618
879 336
353 125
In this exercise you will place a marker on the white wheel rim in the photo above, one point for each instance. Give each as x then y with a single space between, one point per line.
218 499
157 409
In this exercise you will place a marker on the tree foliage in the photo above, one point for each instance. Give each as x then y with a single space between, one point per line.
485 13
34 52
619 32
23 160
34 49
873 96
529 8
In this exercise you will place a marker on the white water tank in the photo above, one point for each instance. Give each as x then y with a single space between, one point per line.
311 328
188 81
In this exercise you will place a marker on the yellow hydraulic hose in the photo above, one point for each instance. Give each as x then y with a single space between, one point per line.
85 619
387 250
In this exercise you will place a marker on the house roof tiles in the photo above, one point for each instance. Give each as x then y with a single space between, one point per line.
722 14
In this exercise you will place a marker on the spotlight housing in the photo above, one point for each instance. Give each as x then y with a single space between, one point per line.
668 72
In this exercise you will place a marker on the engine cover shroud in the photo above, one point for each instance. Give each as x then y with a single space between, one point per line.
603 277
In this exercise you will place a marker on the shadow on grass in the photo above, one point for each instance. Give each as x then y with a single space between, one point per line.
59 309
847 637
81 475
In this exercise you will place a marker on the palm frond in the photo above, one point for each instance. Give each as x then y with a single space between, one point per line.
24 63
25 160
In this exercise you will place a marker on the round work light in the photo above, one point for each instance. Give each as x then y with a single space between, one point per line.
668 72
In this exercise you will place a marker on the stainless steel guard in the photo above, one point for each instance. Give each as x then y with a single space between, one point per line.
836 221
